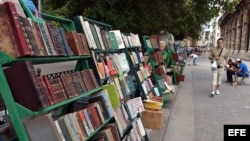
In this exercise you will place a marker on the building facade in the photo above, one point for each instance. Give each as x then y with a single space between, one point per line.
235 30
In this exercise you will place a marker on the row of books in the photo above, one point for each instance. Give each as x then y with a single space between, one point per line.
24 37
75 126
111 64
136 57
101 38
36 93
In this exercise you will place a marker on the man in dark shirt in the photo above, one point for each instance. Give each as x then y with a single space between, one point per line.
230 67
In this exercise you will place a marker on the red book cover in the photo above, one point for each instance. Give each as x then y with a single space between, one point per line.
8 43
26 90
24 50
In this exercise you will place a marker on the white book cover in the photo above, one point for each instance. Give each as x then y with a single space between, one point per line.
135 39
124 62
90 35
98 31
86 33
119 39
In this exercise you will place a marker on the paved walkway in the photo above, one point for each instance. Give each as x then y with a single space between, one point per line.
195 116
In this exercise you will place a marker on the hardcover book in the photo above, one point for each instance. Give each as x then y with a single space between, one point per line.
30 93
29 37
38 38
8 43
56 39
41 128
24 50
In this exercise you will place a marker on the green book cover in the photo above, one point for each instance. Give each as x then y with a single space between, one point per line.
112 40
113 95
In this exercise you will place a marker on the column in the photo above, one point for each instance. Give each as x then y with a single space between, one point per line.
245 27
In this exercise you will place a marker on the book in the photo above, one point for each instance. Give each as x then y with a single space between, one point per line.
59 130
103 98
28 34
118 37
64 41
29 93
95 36
38 38
70 128
135 106
42 127
73 41
23 48
56 39
47 39
64 128
8 44
113 41
88 129
113 95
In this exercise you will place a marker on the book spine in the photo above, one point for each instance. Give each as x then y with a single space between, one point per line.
30 35
8 43
66 85
46 90
55 39
39 39
79 76
46 40
84 122
64 41
87 118
93 78
77 83
51 96
73 42
85 44
37 85
24 50
72 85
24 26
80 44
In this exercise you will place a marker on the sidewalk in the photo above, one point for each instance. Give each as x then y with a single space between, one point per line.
177 114
193 115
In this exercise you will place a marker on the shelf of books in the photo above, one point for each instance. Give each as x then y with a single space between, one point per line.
65 105
114 73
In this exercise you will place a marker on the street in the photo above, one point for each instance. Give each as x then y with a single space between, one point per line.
195 116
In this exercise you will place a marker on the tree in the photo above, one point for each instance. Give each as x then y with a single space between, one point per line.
180 17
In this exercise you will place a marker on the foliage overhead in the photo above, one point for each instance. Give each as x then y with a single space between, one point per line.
146 17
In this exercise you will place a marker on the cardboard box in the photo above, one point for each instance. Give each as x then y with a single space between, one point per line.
153 119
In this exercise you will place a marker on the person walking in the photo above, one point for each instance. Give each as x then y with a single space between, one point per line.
220 55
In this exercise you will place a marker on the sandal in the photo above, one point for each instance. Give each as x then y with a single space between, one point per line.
234 83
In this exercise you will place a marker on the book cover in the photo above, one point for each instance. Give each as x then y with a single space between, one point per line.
8 43
24 50
113 41
29 37
87 128
113 95
55 38
95 36
64 128
46 39
80 125
41 128
104 100
69 127
64 41
38 38
30 93
118 37
85 44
